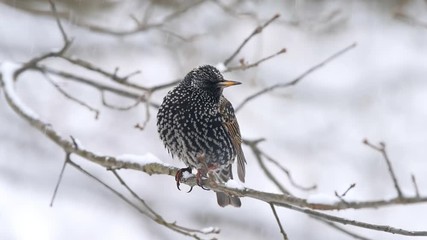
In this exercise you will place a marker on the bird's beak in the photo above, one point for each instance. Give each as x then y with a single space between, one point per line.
228 83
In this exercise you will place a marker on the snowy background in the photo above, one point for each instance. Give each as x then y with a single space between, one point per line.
377 91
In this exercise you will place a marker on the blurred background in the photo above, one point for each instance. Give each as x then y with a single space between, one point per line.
376 91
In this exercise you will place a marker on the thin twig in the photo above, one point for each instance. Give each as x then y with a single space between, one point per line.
285 236
67 43
178 36
341 196
244 66
414 182
288 173
257 153
256 31
382 149
67 160
78 167
297 79
113 76
142 201
165 85
157 217
147 114
97 85
140 26
61 174
348 189
173 226
73 99
58 22
119 108
345 221
338 228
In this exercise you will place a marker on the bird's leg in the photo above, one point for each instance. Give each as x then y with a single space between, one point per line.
199 178
179 175
202 171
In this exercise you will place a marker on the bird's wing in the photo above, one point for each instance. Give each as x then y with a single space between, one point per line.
230 123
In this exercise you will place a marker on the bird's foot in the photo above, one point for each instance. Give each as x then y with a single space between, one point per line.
179 175
199 178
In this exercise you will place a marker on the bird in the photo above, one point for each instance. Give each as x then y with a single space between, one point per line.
197 125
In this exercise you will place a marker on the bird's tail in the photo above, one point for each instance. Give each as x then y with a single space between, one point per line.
225 199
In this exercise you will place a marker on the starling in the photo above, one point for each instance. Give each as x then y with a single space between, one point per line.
197 124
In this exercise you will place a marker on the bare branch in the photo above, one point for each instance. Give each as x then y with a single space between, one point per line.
348 189
158 218
257 153
119 108
67 43
244 66
173 226
97 85
142 201
288 173
256 31
165 85
178 36
140 26
340 229
61 174
58 22
297 79
113 76
73 99
382 228
341 196
285 236
414 182
382 150
147 116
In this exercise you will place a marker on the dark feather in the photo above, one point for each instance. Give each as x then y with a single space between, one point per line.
230 123
222 198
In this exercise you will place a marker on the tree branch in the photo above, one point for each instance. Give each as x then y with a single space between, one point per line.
285 236
297 79
173 226
244 66
68 96
67 43
382 150
61 174
256 31
382 228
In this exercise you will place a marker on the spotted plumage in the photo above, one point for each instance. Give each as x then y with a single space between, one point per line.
197 125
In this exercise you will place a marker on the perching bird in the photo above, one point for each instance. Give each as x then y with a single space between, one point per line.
197 124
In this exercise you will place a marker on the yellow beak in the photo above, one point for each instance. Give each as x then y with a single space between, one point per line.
228 83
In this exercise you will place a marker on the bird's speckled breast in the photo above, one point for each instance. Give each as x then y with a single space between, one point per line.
189 123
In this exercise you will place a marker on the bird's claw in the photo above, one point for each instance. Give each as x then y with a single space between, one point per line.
199 180
179 175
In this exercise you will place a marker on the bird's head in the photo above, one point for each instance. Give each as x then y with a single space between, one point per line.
209 79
